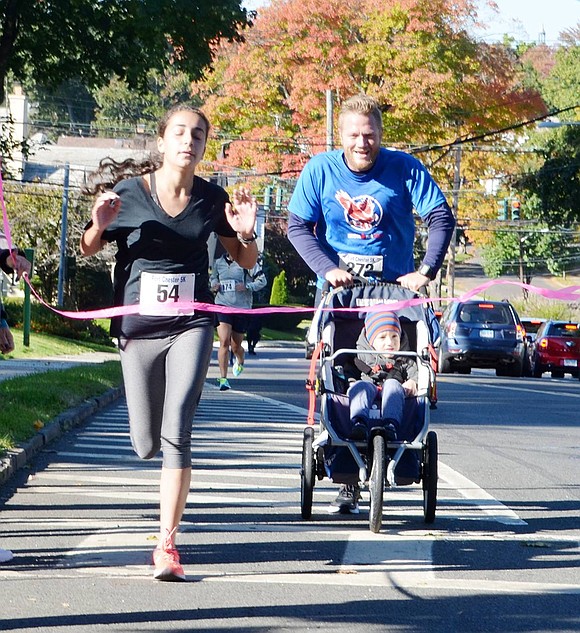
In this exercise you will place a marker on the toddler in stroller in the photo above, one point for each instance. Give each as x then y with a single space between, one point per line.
364 439
389 378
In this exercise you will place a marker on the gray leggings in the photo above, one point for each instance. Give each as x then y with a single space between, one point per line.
163 379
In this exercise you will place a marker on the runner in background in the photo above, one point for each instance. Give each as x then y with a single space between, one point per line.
234 287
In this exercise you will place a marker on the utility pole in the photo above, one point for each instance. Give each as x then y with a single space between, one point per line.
329 121
454 209
63 232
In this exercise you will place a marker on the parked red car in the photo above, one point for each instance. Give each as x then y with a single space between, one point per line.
556 348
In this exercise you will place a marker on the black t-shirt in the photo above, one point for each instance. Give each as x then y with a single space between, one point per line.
148 239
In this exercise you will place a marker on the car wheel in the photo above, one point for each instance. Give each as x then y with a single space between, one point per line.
464 370
515 370
502 370
537 370
557 373
444 365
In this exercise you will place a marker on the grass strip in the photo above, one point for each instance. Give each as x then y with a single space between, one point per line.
29 402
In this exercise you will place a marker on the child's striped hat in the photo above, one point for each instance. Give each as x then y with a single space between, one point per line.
376 322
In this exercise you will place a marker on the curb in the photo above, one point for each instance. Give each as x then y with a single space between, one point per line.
20 456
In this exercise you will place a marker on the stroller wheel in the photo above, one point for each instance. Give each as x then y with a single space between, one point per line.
307 474
377 483
429 476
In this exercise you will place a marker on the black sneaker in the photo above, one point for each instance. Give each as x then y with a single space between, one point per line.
347 500
359 432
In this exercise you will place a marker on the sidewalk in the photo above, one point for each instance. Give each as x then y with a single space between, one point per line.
14 367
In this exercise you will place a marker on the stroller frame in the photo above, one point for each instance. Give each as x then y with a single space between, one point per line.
378 458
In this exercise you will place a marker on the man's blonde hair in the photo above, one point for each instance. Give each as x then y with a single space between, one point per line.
362 104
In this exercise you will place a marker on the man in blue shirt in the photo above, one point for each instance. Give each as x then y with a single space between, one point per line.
351 213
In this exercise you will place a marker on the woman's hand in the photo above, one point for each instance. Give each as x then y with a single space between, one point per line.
241 214
105 210
6 340
19 264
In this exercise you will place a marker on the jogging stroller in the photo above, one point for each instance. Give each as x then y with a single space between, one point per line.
377 462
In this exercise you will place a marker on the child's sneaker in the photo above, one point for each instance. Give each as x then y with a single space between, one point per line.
224 384
238 368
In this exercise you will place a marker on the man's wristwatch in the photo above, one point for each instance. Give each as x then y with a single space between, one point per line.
427 271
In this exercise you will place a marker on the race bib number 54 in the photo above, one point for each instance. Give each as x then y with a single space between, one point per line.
160 292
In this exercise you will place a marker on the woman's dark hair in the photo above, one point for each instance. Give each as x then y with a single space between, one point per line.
110 171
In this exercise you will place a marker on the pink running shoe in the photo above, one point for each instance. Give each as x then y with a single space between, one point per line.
166 561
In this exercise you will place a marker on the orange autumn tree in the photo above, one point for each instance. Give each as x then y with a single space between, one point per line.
267 95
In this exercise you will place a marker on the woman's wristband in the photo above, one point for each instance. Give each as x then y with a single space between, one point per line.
247 240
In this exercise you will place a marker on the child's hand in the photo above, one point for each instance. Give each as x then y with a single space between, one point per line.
410 387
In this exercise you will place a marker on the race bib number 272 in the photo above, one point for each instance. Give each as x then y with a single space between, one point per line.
362 265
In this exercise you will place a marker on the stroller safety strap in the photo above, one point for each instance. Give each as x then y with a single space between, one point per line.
311 383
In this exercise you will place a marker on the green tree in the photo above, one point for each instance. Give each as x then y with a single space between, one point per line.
121 110
93 39
555 180
38 224
529 247
279 295
67 109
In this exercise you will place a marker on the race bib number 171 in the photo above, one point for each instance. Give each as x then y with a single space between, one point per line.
160 292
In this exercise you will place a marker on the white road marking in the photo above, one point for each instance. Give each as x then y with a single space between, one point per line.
391 558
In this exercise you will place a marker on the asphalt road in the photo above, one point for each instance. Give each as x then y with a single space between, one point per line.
502 555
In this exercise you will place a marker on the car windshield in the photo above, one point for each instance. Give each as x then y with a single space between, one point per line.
569 330
485 313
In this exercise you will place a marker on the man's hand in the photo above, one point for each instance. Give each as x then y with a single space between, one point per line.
338 277
413 281
410 388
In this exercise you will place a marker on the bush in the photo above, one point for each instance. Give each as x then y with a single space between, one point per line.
46 321
279 295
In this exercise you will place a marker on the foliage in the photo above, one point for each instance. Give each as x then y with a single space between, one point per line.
556 180
38 225
279 296
280 255
50 42
121 110
44 321
528 248
267 96
69 108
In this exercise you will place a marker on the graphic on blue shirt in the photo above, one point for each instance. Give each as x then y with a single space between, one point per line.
362 213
